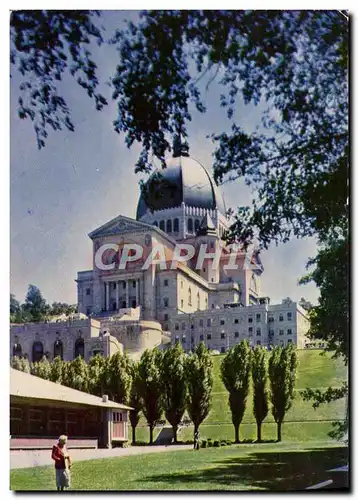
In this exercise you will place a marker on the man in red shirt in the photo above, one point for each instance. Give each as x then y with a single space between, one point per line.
62 463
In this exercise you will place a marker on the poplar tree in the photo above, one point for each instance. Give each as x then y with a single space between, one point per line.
135 400
199 376
151 387
282 373
235 374
260 390
174 384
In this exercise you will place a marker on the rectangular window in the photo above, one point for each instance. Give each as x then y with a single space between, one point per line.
222 350
88 291
184 339
124 285
114 285
258 342
271 319
236 321
177 326
289 316
289 341
166 317
134 284
166 302
280 318
183 326
192 326
166 282
236 335
222 336
201 322
281 332
271 332
250 330
258 318
289 331
222 322
208 322
208 336
258 332
201 337
250 319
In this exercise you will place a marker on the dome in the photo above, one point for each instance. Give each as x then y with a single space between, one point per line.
183 180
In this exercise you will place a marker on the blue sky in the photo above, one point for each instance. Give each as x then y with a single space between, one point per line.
83 179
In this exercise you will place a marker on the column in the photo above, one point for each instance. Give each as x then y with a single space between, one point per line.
137 292
127 292
117 294
107 296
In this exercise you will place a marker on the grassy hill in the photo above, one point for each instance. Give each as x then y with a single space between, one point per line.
302 423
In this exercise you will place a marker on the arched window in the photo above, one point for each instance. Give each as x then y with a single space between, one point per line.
169 226
197 225
198 301
155 223
16 350
37 351
190 225
189 297
58 349
176 225
162 225
80 348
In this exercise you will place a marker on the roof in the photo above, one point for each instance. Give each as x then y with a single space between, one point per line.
24 385
183 180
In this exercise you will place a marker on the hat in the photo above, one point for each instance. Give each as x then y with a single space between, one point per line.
62 439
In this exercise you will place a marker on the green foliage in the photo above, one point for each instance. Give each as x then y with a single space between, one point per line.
135 400
77 374
216 444
199 376
47 45
57 370
21 364
41 369
119 378
235 374
98 373
174 385
282 373
151 387
259 382
35 305
329 320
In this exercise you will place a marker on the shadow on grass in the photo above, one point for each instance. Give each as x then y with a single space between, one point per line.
274 471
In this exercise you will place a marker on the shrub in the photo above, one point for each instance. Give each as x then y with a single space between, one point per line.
216 444
203 443
223 443
210 443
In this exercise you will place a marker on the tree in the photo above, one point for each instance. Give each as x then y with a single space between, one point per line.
329 319
235 374
35 305
119 377
59 308
260 392
282 373
41 368
305 304
287 300
151 387
98 375
174 384
57 370
21 364
135 400
15 309
199 376
77 374
47 45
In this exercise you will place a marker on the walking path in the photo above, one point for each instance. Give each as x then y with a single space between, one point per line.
21 459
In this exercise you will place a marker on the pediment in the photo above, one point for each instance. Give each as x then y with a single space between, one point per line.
120 225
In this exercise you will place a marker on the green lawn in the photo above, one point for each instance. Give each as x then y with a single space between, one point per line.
302 422
279 467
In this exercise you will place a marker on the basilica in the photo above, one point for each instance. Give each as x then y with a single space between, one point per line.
151 302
